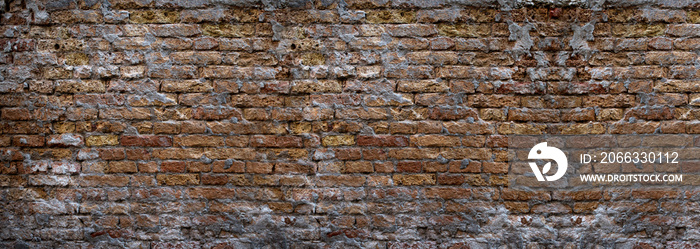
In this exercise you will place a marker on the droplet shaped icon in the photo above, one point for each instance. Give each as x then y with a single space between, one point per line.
544 152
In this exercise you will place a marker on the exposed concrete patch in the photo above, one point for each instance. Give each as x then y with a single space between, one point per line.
521 36
579 41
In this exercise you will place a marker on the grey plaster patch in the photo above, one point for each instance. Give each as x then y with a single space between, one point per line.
579 41
521 36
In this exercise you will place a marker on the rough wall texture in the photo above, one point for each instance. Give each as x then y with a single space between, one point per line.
356 123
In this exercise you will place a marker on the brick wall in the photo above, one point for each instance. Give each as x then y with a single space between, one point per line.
334 124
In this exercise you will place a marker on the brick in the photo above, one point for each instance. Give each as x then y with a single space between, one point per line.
684 30
415 179
106 180
469 153
338 140
677 86
229 72
312 59
383 141
495 167
76 16
411 30
358 167
435 141
75 59
413 153
186 86
389 16
509 194
448 193
669 58
122 167
146 141
464 30
80 86
198 141
313 86
135 113
228 30
687 43
639 30
256 114
227 153
653 113
173 166
468 128
609 101
102 140
203 113
154 16
276 141
538 115
409 166
177 179
422 86
294 168
111 153
198 58
629 128
16 114
654 194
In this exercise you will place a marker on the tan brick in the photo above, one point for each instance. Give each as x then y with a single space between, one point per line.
198 141
122 167
423 86
102 140
154 16
677 86
80 86
638 30
435 141
414 179
338 140
358 167
178 179
464 30
76 59
228 30
314 86
390 16
186 86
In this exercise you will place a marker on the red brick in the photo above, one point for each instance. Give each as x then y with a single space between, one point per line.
382 141
122 167
173 166
16 114
146 141
409 166
447 193
28 141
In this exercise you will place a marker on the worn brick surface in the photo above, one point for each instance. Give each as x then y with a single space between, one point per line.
336 124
